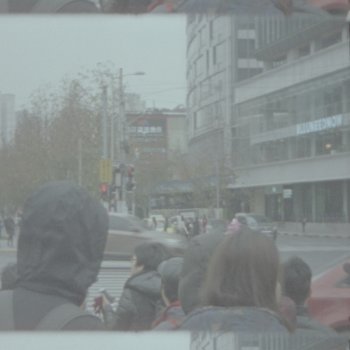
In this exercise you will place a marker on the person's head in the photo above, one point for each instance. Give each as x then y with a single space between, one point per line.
297 280
195 264
148 256
170 271
62 240
243 272
9 276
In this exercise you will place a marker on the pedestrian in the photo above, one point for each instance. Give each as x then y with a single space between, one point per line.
154 221
196 227
297 286
204 224
182 227
303 224
173 314
239 293
10 229
166 224
60 250
141 300
9 276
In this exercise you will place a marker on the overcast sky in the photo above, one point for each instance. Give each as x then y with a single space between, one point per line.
36 51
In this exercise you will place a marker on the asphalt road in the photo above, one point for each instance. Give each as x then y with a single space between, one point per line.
320 253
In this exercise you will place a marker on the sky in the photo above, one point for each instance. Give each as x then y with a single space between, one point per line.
39 51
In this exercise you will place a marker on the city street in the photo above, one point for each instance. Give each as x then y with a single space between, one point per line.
319 253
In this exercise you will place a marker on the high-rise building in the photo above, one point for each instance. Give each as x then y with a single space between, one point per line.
270 95
219 54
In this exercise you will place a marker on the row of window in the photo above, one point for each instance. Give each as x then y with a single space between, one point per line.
319 202
310 145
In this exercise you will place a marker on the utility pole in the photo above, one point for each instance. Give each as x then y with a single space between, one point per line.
217 188
121 135
104 123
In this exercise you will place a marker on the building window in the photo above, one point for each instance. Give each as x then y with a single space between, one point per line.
211 31
245 48
328 143
329 201
303 146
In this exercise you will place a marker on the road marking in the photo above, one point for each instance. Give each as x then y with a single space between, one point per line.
314 249
331 265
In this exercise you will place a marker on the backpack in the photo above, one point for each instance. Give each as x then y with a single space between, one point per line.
39 6
56 319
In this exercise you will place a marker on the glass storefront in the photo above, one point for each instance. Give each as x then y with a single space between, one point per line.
320 202
303 122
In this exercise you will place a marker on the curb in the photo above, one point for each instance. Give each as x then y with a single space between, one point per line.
313 235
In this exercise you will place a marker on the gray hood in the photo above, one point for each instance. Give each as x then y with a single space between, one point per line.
62 240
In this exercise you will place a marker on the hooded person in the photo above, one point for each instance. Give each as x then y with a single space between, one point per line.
172 316
60 250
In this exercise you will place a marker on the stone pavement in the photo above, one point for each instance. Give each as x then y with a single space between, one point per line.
327 230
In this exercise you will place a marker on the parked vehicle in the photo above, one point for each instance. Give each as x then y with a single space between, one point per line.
128 231
217 226
259 223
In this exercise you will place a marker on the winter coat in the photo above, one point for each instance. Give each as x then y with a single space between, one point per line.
9 226
170 318
196 260
234 319
60 250
139 302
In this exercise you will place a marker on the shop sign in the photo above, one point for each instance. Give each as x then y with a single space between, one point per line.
146 130
277 189
320 125
287 193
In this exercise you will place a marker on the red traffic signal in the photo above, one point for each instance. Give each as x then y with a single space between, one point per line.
104 188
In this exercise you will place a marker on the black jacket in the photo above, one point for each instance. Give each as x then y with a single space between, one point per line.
60 249
139 303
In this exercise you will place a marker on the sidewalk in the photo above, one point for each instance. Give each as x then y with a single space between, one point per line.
326 230
5 248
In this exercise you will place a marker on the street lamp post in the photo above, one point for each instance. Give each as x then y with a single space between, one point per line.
121 135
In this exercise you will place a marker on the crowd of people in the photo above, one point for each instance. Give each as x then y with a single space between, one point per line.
234 282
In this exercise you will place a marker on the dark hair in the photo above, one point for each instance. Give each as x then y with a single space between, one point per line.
243 272
170 271
151 254
297 279
9 276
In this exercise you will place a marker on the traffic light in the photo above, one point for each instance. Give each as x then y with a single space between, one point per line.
104 191
130 184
